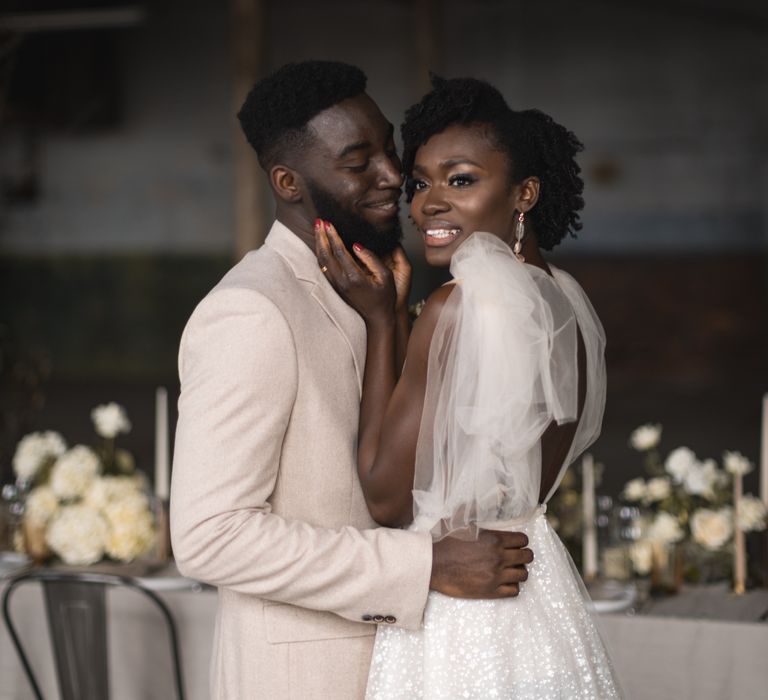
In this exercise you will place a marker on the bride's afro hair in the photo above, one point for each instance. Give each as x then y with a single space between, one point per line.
275 113
534 143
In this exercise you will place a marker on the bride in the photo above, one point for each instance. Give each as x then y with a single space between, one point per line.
503 386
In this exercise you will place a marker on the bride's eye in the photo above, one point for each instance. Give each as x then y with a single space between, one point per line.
461 180
416 185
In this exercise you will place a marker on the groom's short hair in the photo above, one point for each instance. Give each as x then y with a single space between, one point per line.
276 111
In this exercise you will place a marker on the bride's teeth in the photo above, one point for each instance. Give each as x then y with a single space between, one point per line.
442 232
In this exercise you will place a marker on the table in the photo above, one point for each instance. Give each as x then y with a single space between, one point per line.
665 658
656 658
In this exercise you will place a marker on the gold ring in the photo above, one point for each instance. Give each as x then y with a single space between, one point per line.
323 269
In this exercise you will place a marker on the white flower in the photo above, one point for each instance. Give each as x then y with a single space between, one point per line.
33 450
641 555
701 478
110 419
131 529
665 529
41 505
679 462
78 534
712 528
721 479
657 489
74 471
736 463
645 437
752 514
634 490
107 489
415 309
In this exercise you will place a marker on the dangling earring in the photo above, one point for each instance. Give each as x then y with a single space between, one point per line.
519 235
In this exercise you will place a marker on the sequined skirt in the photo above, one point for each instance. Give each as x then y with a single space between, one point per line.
541 645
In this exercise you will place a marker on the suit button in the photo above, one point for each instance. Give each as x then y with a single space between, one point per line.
391 619
367 618
378 618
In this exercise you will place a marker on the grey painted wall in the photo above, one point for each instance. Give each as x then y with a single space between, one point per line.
670 100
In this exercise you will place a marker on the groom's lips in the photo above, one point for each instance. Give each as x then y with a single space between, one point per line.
384 208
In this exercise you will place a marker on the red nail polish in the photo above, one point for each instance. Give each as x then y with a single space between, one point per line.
318 223
358 248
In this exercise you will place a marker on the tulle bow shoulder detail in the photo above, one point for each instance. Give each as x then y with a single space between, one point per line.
502 366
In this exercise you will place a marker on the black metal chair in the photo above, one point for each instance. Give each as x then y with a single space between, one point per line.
76 610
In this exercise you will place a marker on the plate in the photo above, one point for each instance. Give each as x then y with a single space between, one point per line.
611 596
12 563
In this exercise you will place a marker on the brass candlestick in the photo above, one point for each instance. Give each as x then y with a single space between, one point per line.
162 550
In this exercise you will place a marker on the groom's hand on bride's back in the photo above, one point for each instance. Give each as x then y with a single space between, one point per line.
493 566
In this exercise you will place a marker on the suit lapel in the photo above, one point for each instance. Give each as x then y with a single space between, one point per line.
304 265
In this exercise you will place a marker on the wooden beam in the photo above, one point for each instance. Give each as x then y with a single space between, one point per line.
252 197
426 43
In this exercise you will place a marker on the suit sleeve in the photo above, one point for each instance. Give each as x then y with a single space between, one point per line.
239 377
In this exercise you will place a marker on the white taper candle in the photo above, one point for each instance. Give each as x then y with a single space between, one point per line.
764 453
739 546
162 471
589 542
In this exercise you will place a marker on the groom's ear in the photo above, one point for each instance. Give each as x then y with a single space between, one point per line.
287 183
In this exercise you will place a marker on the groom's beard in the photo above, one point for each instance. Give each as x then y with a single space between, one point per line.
353 228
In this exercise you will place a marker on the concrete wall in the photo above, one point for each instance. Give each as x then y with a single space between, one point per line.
671 100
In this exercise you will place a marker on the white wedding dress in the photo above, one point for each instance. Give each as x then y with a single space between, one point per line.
502 367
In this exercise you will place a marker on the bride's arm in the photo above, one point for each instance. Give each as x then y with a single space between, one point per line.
390 410
390 422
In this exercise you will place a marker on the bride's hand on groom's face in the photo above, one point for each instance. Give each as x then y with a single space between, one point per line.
400 267
493 566
366 284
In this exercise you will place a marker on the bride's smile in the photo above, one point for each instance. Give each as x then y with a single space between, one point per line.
461 184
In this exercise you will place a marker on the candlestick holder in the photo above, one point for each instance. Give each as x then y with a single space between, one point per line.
162 549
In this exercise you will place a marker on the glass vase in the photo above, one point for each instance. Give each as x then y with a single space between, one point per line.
703 566
667 567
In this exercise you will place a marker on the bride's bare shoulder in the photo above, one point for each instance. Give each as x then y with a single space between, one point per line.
425 324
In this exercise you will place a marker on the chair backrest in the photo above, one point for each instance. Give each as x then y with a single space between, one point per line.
77 621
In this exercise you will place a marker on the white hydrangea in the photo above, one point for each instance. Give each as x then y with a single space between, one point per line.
41 504
752 514
635 490
131 529
700 479
736 463
657 489
645 437
712 528
665 529
124 509
106 489
641 556
679 462
74 471
34 450
110 419
78 534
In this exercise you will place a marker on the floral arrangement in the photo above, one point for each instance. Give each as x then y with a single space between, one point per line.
687 500
83 503
414 310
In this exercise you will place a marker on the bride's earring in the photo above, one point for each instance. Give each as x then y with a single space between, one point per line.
519 235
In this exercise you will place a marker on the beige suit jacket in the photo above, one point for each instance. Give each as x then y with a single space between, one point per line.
265 500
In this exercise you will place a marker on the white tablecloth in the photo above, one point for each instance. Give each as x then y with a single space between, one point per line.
666 658
657 658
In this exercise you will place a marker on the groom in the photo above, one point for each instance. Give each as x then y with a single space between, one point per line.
265 500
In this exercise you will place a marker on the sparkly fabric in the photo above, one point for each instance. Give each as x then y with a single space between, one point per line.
540 645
